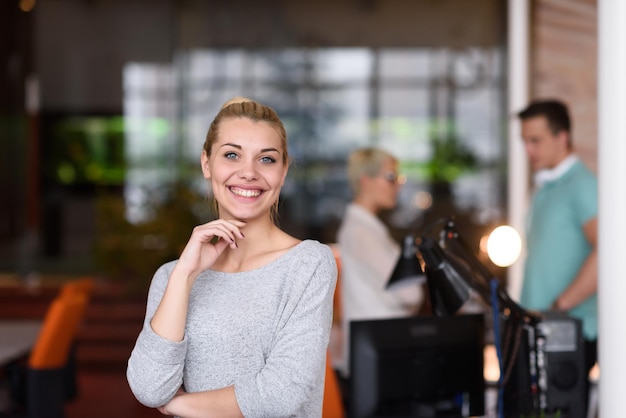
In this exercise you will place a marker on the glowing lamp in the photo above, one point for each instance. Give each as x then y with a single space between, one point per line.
504 246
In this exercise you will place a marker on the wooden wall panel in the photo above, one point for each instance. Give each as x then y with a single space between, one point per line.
564 65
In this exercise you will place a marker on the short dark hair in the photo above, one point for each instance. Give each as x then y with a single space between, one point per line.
554 111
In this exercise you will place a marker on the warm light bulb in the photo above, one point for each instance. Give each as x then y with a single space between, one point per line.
504 246
423 200
27 5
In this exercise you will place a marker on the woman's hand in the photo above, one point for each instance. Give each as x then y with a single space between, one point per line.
206 243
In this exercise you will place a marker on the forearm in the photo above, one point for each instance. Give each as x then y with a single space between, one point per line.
220 403
206 244
155 368
171 315
584 285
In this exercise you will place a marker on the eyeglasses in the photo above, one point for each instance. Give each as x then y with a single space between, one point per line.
391 177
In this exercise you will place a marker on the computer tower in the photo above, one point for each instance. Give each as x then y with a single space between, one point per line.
548 376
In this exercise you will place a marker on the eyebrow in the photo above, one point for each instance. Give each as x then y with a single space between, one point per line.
228 144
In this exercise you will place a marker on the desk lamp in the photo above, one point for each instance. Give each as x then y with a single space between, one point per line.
447 288
480 278
408 270
451 272
531 347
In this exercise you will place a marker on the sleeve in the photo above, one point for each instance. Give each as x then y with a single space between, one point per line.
155 366
587 200
293 375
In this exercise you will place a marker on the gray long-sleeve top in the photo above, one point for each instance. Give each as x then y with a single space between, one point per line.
265 331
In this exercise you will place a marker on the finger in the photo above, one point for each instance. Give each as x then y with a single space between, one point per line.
207 232
231 225
221 245
237 224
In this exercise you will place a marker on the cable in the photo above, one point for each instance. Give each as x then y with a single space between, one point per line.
496 336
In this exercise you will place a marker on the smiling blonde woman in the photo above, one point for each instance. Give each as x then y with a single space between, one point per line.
239 324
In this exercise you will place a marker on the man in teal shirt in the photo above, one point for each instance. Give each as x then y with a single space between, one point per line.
561 270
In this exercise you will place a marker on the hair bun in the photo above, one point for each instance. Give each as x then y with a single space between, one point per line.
236 99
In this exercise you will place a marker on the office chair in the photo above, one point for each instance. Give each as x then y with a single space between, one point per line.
333 403
40 385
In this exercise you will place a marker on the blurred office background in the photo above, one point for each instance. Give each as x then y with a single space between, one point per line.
104 105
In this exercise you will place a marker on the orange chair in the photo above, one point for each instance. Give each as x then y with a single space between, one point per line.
337 296
43 384
333 404
83 285
58 332
336 343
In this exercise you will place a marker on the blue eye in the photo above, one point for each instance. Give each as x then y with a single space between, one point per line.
268 160
230 155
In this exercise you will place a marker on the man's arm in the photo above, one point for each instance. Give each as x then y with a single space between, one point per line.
585 284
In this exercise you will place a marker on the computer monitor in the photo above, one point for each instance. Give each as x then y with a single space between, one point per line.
424 366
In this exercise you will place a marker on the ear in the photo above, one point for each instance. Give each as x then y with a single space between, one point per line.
365 181
364 185
206 165
563 137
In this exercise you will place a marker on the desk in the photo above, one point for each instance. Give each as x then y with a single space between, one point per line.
17 338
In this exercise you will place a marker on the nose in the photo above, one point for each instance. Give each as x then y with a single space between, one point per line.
248 170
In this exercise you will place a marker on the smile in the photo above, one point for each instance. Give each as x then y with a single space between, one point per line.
245 192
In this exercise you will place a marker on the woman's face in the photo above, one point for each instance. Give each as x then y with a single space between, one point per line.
385 186
246 168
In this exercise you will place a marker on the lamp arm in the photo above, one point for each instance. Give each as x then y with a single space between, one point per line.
453 239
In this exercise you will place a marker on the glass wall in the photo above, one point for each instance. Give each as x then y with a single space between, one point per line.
126 91
439 110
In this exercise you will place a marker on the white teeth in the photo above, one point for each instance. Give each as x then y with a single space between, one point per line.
246 193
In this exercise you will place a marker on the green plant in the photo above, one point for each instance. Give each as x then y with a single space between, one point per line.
449 159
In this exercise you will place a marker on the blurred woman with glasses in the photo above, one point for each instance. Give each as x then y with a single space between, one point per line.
368 251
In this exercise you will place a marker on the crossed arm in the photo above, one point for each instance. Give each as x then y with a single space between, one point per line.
206 404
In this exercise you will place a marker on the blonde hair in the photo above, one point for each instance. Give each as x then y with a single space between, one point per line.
365 162
243 107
